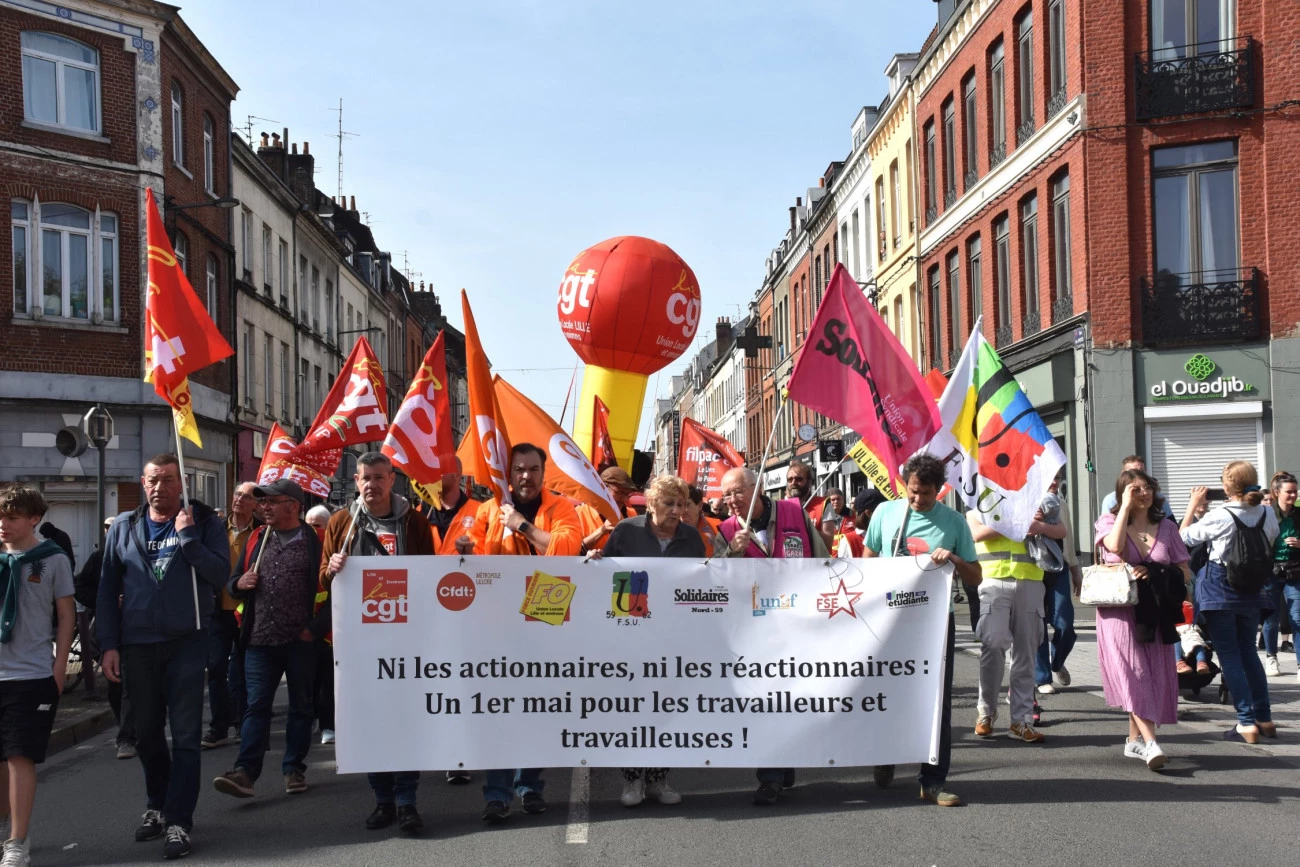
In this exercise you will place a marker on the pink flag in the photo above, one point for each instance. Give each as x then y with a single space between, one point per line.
855 371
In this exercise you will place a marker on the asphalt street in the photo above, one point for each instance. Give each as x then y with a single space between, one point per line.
1073 800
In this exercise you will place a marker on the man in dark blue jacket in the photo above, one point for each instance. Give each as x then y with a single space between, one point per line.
149 623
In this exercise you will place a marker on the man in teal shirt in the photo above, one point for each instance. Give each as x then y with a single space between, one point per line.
915 526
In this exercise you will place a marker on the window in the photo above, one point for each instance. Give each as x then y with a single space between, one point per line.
954 300
182 249
209 168
108 267
907 185
949 152
998 102
1056 50
896 191
318 392
20 220
1025 68
817 274
844 239
329 310
178 126
246 243
1002 271
284 275
1196 212
975 278
969 130
303 300
58 251
935 303
313 298
249 376
60 81
857 242
212 287
1029 256
267 239
305 406
1061 237
898 317
268 373
349 319
880 216
64 262
1186 28
285 390
931 182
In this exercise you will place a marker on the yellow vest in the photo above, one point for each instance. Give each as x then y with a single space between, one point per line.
1002 558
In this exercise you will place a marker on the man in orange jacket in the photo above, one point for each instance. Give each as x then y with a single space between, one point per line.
457 514
595 526
540 522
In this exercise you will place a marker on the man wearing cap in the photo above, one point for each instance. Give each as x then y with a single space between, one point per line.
850 542
595 526
276 579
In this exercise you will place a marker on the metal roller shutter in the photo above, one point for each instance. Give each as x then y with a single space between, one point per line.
1193 452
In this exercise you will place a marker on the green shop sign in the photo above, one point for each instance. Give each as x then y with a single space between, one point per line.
1203 383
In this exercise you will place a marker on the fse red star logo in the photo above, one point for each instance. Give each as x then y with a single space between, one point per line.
840 600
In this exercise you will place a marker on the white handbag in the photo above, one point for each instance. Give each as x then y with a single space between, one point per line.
1109 585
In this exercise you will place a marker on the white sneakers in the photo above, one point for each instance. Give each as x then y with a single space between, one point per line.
663 793
633 792
1046 689
1271 668
16 854
1134 749
1154 756
327 736
636 791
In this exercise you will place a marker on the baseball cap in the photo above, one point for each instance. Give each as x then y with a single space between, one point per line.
281 488
867 500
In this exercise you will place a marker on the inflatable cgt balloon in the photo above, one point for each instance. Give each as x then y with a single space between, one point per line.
628 306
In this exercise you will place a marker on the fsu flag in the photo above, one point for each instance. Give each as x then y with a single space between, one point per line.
999 454
602 447
568 472
488 448
356 409
855 371
312 472
179 335
703 456
419 440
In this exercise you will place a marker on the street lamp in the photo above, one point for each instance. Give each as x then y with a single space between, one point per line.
98 427
226 203
361 330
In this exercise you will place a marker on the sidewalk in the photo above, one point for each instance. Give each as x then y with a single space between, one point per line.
78 719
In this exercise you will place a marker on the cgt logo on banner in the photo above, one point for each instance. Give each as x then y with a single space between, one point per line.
383 596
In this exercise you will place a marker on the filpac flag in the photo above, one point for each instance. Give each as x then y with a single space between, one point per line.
568 472
419 440
489 450
280 461
704 456
854 370
179 334
999 454
602 447
356 409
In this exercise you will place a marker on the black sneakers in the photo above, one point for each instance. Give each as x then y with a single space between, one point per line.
457 778
214 738
496 812
383 816
767 793
408 819
151 828
533 802
177 844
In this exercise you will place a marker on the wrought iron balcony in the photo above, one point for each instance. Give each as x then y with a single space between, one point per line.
954 356
1031 324
1056 103
997 155
931 214
969 180
949 197
1211 77
1003 336
1202 307
1062 309
1024 131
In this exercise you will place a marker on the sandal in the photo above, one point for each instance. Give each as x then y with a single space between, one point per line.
1236 734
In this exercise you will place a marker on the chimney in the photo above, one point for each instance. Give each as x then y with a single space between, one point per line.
798 201
792 210
272 154
722 332
353 204
821 182
265 140
295 148
306 148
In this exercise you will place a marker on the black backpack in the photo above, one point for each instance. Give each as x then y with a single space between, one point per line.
1249 558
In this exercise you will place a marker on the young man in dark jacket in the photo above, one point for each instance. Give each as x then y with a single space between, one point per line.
276 578
149 620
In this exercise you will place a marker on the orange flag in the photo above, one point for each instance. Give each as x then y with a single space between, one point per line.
356 409
311 472
419 440
489 449
602 447
937 382
568 472
179 335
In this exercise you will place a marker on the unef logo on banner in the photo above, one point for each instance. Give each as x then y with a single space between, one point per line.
456 591
383 596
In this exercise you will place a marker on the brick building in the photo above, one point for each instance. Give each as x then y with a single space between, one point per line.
90 127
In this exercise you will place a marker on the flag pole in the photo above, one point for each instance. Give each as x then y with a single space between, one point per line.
767 450
185 502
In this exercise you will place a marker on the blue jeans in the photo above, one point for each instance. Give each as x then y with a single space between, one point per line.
1058 612
394 787
503 784
227 699
1291 593
938 773
165 682
263 668
1233 635
1272 599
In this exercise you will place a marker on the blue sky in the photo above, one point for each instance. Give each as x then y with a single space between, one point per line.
496 140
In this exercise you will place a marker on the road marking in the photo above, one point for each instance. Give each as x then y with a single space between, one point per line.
579 795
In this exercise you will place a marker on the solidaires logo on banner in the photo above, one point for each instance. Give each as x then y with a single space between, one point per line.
554 662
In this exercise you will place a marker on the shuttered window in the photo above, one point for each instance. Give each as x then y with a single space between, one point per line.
1191 452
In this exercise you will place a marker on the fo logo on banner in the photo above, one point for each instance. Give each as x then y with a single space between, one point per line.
630 595
383 596
456 591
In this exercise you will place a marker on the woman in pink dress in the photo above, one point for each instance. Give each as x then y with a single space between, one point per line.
1137 670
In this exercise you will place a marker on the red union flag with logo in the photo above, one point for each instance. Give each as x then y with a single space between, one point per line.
179 335
488 448
356 409
704 456
853 370
280 461
602 447
419 440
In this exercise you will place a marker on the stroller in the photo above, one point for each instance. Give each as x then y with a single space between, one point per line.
1196 666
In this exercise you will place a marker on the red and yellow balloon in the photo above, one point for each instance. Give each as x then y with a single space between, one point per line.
628 306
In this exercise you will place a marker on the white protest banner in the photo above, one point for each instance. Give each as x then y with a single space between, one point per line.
637 662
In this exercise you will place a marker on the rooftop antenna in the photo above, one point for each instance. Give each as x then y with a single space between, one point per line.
248 128
340 135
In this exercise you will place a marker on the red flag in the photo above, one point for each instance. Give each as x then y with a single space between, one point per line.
489 449
179 335
356 409
602 447
312 472
855 371
419 440
937 382
703 456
